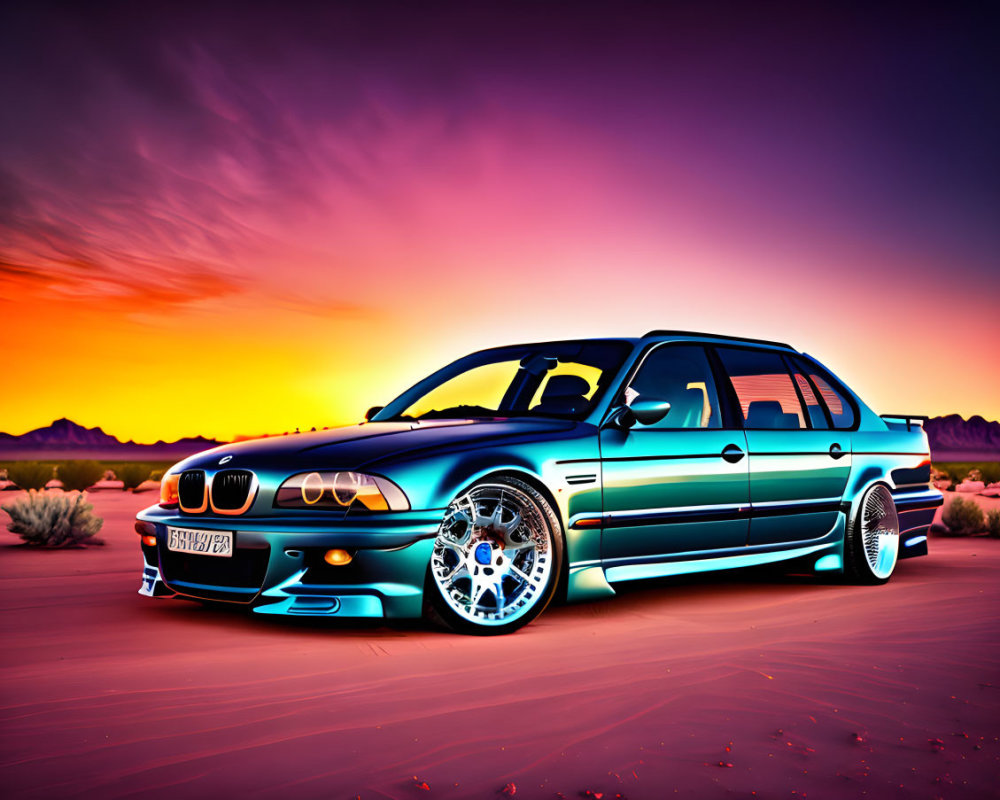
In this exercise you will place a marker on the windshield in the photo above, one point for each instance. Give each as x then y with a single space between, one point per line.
554 379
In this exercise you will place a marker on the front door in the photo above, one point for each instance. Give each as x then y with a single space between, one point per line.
680 485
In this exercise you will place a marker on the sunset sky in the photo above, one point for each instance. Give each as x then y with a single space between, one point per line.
227 222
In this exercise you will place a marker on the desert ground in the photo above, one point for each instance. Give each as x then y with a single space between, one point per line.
731 685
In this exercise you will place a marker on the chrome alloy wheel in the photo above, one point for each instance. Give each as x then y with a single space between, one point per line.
492 559
880 531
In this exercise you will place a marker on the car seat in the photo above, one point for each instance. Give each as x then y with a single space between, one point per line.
564 394
768 414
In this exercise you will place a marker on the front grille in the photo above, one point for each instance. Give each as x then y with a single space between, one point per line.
191 490
245 569
231 489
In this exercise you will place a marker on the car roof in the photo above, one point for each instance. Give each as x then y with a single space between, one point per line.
654 336
717 337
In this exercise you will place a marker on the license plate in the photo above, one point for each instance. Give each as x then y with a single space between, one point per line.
202 543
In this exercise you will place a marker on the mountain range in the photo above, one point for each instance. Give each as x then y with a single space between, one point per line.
952 438
66 439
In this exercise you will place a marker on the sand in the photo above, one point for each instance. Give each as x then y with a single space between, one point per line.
723 686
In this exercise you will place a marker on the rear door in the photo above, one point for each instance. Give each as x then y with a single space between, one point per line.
679 485
799 466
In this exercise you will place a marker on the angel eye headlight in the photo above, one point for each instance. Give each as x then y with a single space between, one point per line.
347 486
333 490
312 488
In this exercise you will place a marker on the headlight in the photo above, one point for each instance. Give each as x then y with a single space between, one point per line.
168 489
340 490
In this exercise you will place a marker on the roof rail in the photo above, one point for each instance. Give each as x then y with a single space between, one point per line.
716 336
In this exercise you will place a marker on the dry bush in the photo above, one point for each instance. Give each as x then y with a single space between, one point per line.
79 475
993 523
48 519
30 474
963 517
131 475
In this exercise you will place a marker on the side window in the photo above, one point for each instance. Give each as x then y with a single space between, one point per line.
764 389
681 375
840 409
817 417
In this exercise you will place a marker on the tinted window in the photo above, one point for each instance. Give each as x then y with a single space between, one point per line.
764 389
679 374
817 416
840 409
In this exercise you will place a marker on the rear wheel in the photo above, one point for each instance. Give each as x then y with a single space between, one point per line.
496 559
872 543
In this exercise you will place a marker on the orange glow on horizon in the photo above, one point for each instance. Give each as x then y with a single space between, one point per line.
223 373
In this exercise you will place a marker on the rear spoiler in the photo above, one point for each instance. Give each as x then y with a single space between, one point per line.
910 420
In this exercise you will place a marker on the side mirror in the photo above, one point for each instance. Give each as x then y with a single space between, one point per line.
645 412
371 412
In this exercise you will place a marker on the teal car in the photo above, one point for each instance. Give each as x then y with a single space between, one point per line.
524 472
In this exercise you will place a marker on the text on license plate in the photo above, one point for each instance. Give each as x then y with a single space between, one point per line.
202 543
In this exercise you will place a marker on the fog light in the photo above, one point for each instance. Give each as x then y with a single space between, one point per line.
149 540
337 558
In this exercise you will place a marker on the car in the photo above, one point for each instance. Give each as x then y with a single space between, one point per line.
525 472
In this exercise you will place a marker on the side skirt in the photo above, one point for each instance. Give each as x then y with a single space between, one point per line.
629 572
590 580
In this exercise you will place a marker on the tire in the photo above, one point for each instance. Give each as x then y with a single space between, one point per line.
497 559
871 547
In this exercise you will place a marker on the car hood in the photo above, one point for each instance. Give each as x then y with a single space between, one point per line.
357 446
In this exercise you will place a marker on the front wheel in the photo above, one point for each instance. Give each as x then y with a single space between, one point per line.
872 543
496 560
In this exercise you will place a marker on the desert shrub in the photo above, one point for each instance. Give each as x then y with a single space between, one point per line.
993 523
30 474
131 475
156 475
47 519
989 471
79 475
963 517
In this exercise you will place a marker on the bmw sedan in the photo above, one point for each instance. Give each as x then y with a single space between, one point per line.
528 471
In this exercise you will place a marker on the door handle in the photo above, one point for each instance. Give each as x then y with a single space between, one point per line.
732 453
836 451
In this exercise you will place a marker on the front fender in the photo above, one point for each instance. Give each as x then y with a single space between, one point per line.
567 471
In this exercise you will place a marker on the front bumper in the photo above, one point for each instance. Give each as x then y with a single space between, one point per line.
277 566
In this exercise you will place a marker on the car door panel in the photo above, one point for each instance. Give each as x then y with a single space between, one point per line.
671 491
796 484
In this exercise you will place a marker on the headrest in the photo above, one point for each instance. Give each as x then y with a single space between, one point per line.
768 414
564 394
565 386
